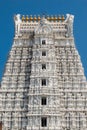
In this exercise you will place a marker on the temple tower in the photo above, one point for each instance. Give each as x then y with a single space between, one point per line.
43 85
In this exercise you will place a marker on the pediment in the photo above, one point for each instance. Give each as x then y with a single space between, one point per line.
43 27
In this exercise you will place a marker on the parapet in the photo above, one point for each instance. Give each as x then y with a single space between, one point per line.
60 23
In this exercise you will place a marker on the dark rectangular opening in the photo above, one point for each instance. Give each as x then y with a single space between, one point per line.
43 66
44 121
43 82
43 42
43 101
43 53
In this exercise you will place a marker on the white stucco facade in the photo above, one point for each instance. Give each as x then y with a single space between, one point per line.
43 86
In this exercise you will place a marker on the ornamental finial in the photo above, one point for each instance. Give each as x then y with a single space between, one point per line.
31 18
27 18
23 18
35 18
55 18
59 18
39 18
62 18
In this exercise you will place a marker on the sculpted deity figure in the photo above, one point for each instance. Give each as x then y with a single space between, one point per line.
69 20
17 21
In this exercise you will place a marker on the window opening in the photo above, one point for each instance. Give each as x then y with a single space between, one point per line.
43 66
43 101
43 82
43 53
43 42
44 121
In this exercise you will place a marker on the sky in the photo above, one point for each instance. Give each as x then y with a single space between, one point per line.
8 8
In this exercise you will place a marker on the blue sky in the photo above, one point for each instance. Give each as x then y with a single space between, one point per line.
10 7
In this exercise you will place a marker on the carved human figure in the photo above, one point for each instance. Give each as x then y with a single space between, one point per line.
17 21
69 20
